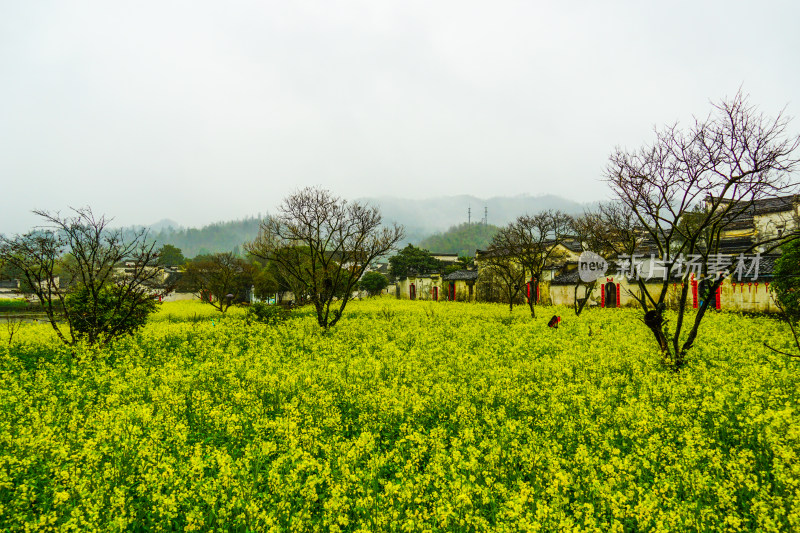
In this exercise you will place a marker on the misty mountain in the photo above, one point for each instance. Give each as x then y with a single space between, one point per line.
423 218
439 223
463 239
227 236
164 224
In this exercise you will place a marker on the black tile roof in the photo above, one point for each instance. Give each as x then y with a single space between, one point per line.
570 277
775 205
382 268
764 206
735 245
572 245
766 268
462 275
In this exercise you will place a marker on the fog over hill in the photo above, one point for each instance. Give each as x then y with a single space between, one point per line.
164 224
421 218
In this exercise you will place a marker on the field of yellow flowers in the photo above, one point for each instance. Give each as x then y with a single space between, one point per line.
407 416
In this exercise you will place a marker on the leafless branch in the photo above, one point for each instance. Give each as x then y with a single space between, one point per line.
725 162
324 244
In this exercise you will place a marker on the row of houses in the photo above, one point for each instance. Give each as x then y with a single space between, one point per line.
161 279
746 290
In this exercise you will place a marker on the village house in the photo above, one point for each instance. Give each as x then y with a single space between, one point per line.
459 286
9 288
746 290
419 287
434 286
563 253
559 284
764 219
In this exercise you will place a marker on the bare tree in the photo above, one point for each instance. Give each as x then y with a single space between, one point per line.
324 243
534 241
87 275
729 160
618 231
502 268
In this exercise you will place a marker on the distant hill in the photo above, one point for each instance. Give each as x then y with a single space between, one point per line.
463 239
218 237
439 223
422 218
164 224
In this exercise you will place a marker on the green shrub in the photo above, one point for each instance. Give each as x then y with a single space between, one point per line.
17 304
267 314
373 283
786 284
112 314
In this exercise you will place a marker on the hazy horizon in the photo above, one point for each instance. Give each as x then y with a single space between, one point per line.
201 113
477 210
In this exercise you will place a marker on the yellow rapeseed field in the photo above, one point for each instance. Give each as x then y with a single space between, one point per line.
407 416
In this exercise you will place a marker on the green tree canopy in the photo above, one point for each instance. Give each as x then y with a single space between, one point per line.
265 283
412 260
221 279
373 283
786 289
169 255
463 239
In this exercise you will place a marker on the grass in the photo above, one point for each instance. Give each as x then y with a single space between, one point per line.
16 305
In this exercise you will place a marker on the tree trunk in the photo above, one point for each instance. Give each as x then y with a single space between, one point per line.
587 291
654 319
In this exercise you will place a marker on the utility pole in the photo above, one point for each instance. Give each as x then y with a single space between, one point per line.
469 215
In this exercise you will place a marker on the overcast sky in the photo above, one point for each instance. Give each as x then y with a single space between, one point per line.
204 111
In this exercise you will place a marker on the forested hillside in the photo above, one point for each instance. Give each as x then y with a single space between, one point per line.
218 237
463 239
424 222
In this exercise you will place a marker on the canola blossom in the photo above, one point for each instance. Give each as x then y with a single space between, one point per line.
407 416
